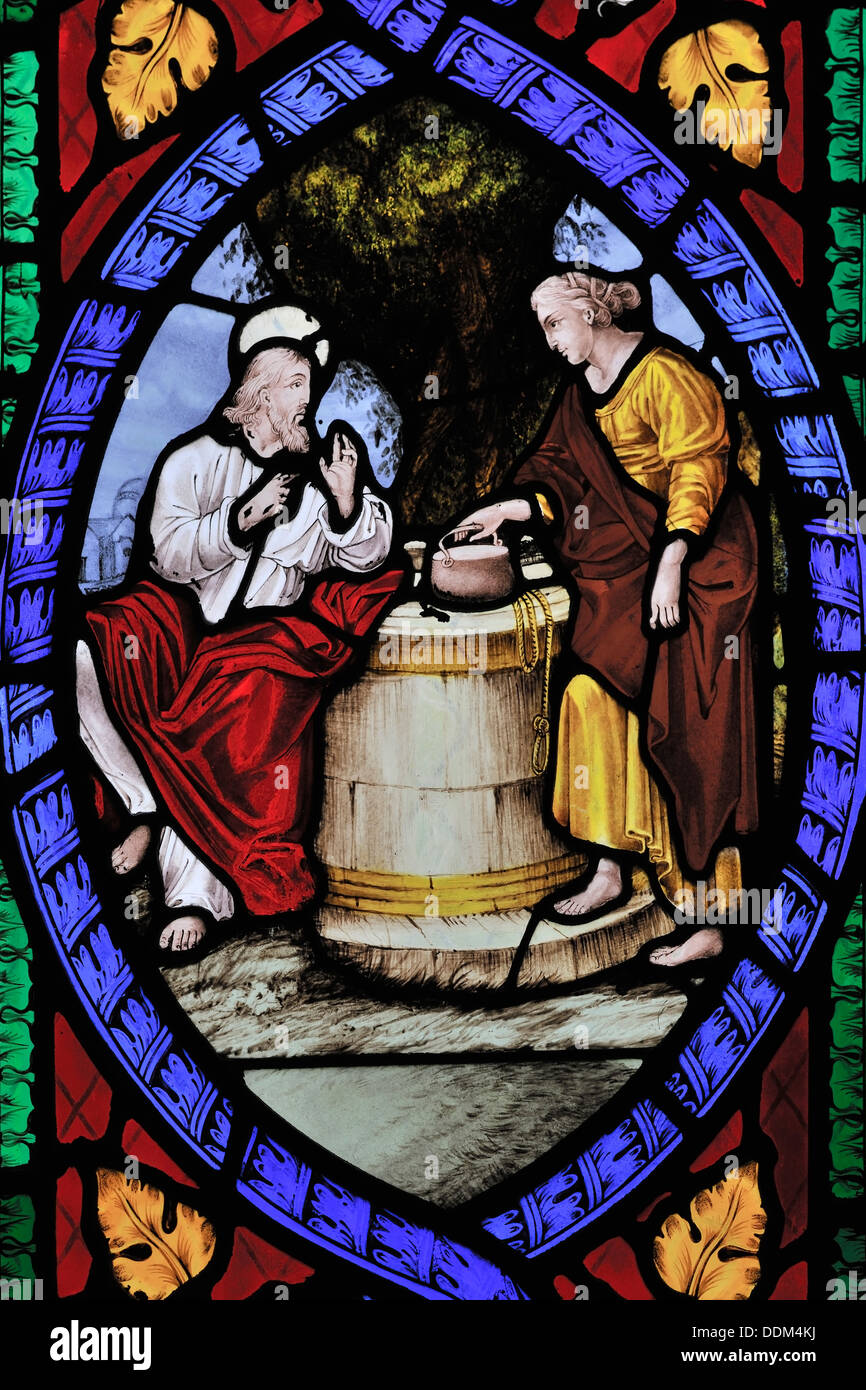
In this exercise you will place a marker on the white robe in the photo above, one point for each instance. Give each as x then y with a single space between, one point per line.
196 489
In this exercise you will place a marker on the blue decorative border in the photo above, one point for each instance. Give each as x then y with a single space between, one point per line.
407 23
499 70
715 257
103 331
591 1184
118 1007
719 1047
314 1206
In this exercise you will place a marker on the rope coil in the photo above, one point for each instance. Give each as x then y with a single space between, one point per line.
529 653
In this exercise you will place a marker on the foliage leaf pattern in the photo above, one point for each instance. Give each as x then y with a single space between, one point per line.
721 1263
135 1218
737 111
156 45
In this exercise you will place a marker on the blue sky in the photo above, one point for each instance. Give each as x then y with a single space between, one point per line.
183 375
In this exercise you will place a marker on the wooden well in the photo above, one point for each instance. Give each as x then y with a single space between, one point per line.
433 831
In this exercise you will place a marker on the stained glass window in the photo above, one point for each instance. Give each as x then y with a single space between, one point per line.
432 664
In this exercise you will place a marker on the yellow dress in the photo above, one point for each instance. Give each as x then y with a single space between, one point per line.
666 425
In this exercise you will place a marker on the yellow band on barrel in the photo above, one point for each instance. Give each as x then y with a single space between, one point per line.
418 652
449 895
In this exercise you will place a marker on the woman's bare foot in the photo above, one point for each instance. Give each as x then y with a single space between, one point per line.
183 933
130 852
605 885
702 945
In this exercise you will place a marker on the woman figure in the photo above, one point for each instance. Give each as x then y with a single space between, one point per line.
656 756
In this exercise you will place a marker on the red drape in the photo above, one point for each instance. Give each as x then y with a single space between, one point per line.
223 720
699 717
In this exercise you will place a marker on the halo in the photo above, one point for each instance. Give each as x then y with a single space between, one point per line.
283 321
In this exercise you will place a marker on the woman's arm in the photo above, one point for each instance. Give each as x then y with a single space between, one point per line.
685 410
487 520
665 596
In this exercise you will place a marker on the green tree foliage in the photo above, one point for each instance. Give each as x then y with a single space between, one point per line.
421 245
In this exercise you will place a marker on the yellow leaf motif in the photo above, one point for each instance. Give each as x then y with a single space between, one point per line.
737 112
722 1263
154 1247
155 44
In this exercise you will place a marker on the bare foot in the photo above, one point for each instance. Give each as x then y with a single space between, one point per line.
702 945
183 933
131 851
605 885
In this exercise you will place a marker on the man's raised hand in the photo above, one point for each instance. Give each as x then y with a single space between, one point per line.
269 500
340 474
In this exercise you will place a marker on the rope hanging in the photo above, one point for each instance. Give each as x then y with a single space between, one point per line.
529 654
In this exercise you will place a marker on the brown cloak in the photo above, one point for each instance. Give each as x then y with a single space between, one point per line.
700 719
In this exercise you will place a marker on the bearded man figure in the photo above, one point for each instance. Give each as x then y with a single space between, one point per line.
197 686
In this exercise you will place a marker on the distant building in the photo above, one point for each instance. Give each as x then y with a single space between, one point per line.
108 539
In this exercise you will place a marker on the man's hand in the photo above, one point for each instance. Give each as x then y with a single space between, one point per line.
340 475
265 503
665 597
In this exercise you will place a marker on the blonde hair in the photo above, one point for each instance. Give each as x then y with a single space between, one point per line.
607 298
267 369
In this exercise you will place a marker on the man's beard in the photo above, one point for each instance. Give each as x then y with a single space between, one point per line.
293 436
